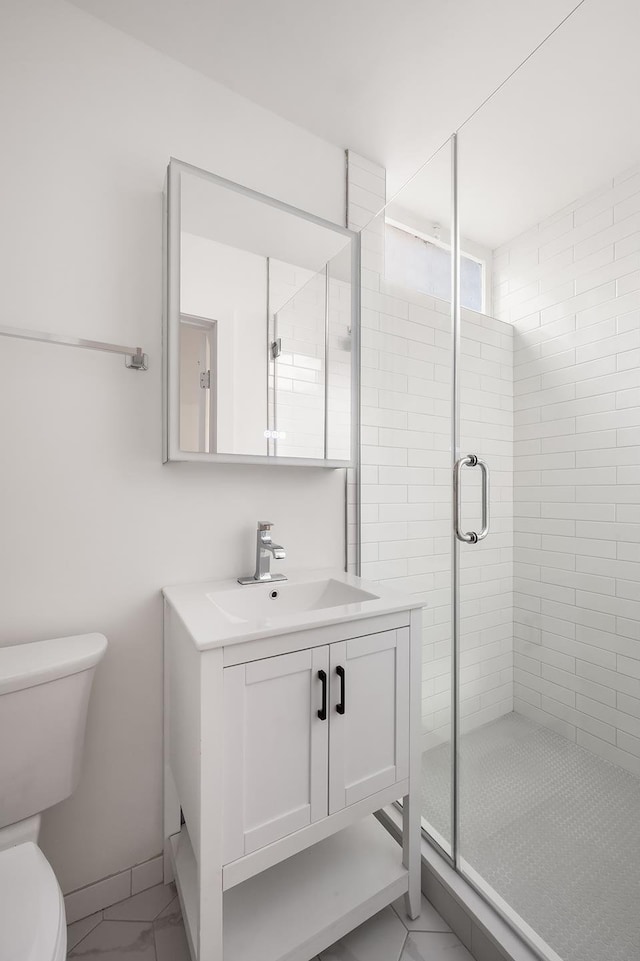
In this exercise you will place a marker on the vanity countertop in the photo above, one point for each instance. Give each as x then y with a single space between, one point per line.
221 613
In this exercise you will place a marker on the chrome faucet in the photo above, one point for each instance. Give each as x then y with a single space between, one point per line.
264 549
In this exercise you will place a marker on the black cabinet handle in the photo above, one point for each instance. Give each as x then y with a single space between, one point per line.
322 713
341 706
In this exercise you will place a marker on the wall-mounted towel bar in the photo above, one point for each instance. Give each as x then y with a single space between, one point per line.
134 357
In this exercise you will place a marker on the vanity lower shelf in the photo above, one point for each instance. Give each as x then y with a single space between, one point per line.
300 906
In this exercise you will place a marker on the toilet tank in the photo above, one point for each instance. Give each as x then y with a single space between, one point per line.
44 695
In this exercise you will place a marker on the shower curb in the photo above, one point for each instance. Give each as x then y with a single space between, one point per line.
485 934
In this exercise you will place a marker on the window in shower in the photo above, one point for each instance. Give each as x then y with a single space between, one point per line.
421 262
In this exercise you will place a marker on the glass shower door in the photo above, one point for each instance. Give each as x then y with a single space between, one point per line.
500 481
406 439
548 603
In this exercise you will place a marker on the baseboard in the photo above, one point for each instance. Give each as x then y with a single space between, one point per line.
117 887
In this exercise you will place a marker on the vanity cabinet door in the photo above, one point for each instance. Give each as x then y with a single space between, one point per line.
369 729
276 748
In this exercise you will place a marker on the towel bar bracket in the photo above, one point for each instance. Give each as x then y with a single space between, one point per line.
135 358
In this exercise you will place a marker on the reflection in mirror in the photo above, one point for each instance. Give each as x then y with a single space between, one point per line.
339 348
312 359
298 308
261 314
198 391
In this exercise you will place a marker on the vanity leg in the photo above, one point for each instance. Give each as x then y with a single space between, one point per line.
411 842
210 947
171 804
411 817
209 855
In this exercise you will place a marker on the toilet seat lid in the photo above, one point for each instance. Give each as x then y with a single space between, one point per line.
31 906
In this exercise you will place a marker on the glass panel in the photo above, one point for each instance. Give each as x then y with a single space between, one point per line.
549 753
406 453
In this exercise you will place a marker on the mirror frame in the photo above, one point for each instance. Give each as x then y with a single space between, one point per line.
171 325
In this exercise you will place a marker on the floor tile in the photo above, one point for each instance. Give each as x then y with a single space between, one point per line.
171 940
552 828
379 939
117 941
144 906
80 929
429 919
171 909
434 947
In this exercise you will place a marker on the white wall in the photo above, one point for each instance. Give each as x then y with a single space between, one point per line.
92 523
571 288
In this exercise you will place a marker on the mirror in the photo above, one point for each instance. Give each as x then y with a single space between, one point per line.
261 327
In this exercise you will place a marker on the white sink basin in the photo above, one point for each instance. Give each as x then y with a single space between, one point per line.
268 601
223 613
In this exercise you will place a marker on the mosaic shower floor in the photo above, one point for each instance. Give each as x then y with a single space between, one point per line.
553 829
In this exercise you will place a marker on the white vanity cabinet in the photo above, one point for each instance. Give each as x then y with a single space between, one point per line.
280 745
295 750
276 749
369 731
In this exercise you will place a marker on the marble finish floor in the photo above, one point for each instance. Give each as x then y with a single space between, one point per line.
552 828
148 927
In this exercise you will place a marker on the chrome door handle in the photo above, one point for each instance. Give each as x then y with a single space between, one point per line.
470 537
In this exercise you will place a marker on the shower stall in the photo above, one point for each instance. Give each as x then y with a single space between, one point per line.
500 481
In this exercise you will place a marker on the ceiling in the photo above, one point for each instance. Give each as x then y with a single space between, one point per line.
391 79
564 125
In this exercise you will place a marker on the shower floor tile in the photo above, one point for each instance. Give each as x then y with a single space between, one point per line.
552 828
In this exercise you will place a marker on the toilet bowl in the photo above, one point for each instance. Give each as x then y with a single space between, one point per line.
44 696
32 919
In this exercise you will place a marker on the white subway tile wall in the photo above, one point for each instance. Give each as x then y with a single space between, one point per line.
406 471
570 287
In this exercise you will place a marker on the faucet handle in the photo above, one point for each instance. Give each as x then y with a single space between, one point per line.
265 525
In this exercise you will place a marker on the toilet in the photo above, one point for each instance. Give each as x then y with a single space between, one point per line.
44 695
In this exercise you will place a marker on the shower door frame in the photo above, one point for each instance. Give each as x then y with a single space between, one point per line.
455 545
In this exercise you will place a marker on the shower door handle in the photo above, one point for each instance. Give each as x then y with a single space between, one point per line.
470 537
